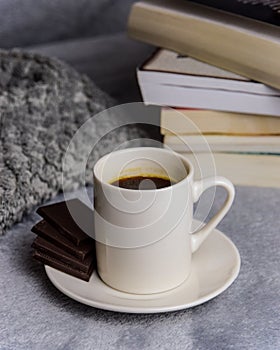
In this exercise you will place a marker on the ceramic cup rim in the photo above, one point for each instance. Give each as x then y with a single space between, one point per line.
185 161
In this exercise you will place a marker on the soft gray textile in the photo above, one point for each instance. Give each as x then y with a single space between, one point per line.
34 315
43 102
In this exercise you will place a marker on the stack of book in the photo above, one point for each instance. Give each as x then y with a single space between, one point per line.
222 80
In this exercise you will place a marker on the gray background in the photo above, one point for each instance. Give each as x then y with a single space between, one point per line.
88 34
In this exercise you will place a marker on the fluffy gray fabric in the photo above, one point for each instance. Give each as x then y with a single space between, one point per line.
43 102
34 315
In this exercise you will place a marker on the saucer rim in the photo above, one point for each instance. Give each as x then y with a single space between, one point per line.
149 309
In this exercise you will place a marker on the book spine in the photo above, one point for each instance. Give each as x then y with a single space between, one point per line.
232 144
245 170
242 51
187 121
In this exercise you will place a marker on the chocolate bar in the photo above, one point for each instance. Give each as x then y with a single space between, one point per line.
64 244
58 215
49 249
47 231
59 265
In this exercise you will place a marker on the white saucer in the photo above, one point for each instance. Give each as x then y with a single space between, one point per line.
215 266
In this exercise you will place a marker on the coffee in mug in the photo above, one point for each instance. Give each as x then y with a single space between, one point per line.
143 182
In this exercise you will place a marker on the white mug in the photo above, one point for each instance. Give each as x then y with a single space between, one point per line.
143 239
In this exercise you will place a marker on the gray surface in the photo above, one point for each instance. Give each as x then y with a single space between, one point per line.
34 315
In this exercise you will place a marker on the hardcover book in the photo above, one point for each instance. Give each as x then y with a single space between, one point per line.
239 44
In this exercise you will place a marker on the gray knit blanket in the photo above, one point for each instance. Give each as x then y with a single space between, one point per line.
43 102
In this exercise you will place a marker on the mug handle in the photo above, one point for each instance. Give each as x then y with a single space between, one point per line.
198 188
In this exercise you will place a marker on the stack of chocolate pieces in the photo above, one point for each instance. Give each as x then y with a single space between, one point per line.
62 242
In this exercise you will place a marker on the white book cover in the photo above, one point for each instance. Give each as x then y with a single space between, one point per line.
170 79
